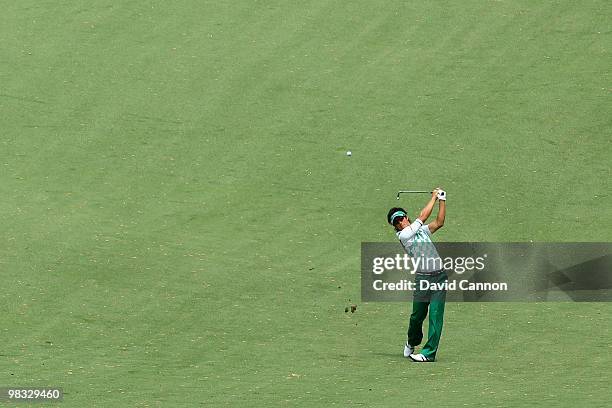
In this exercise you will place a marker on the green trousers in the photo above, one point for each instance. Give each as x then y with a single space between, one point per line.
424 300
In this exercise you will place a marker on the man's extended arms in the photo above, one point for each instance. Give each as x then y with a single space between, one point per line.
426 211
439 221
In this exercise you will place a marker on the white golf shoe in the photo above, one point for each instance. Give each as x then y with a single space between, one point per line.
408 350
419 358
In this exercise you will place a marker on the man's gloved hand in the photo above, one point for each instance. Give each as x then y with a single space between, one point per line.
441 195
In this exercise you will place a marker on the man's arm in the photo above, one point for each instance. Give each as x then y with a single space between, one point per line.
426 211
410 231
439 221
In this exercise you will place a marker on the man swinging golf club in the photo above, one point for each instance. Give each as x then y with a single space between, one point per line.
415 237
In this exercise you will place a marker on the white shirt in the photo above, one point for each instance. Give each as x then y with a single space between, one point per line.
416 240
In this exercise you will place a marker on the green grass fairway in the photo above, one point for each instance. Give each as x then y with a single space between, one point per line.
181 225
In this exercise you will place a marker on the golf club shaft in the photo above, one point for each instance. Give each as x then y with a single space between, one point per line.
413 192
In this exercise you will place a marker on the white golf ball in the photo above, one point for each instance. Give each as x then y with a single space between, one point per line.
349 153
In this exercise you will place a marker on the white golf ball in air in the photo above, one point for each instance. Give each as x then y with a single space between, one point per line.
348 153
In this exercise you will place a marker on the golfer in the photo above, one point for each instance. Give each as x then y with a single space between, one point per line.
416 240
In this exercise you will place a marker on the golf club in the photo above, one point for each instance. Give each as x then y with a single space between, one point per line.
412 192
